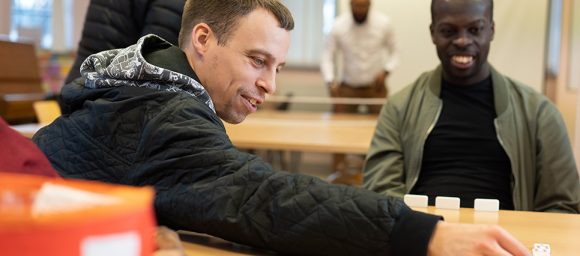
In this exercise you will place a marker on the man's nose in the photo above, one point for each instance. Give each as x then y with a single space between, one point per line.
463 40
267 82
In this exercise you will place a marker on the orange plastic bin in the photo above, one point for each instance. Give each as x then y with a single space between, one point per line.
124 227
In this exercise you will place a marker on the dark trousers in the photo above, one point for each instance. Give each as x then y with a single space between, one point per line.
346 91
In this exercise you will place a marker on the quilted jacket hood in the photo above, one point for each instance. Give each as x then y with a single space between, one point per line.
128 67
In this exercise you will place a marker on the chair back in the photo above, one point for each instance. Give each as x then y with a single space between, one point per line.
46 111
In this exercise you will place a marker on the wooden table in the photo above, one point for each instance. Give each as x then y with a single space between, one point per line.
560 231
27 130
196 244
294 131
304 131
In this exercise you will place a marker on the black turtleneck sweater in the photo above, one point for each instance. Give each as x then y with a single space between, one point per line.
462 156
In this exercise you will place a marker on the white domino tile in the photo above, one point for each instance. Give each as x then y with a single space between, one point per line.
486 205
416 200
444 202
541 249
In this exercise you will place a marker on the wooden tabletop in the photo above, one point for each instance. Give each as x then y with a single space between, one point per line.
196 244
27 130
304 131
294 131
560 231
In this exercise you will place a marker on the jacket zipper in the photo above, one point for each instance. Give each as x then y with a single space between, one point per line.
512 181
420 158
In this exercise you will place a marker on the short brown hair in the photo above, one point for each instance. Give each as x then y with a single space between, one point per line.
223 15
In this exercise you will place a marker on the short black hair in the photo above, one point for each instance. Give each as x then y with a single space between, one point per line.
433 9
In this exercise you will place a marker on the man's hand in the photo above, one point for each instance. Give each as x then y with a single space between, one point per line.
468 239
333 88
168 243
380 82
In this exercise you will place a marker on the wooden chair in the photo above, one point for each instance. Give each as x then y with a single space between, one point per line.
46 111
20 82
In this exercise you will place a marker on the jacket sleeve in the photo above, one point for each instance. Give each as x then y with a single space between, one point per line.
557 182
162 18
112 24
108 25
206 185
384 165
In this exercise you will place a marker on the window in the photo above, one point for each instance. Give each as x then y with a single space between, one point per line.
554 36
32 20
312 21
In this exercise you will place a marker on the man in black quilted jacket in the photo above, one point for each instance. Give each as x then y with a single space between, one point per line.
149 114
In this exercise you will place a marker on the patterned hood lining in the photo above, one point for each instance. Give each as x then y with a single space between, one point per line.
128 67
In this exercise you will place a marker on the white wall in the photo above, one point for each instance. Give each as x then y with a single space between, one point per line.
574 76
517 50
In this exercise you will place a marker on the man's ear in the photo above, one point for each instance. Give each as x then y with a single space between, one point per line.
492 30
431 31
200 37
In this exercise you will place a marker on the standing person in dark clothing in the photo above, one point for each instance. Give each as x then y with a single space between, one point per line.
465 130
112 24
150 114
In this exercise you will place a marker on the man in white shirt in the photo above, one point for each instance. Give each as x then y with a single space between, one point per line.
364 39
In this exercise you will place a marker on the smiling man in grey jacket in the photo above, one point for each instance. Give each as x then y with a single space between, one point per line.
467 131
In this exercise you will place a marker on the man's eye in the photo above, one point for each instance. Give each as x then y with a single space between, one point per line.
475 31
258 61
446 32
